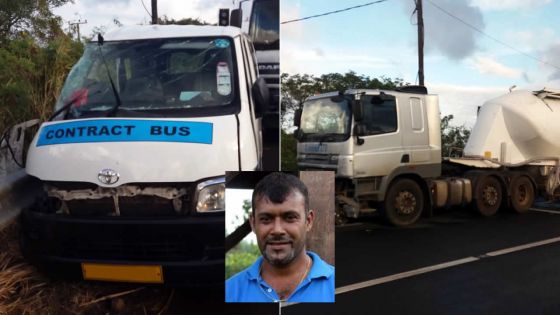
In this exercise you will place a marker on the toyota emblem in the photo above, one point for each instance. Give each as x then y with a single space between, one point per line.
108 176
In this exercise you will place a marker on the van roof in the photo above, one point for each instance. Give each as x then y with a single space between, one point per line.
168 31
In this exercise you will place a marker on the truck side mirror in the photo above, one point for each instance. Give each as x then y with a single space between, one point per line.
359 130
235 18
261 96
358 110
297 118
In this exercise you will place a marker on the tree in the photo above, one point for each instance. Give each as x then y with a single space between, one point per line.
186 21
35 57
453 138
31 16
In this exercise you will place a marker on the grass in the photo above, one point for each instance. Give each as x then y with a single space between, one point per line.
24 290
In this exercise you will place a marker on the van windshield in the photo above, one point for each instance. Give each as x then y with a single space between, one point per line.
156 76
325 120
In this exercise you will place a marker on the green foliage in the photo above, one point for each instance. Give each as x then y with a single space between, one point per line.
453 138
35 57
187 21
289 152
241 257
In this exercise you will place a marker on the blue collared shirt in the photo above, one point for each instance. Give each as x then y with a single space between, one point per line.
249 286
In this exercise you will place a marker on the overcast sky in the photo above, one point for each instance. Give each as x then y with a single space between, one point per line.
101 13
463 66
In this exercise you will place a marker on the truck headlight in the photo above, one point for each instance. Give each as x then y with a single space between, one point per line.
210 195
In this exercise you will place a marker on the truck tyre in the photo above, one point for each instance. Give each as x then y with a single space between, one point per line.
522 194
487 195
404 202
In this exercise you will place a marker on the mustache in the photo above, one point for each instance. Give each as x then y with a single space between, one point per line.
278 239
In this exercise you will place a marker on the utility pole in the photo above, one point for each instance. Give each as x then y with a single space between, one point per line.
76 24
420 42
154 12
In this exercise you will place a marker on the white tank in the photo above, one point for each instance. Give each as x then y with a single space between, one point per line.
517 128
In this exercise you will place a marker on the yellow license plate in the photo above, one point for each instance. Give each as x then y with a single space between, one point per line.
123 273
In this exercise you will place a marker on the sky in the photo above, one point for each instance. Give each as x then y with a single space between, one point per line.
462 66
234 212
101 13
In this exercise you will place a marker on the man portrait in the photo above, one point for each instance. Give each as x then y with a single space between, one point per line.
286 271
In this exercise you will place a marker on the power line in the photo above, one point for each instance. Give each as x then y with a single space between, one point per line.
333 12
147 11
491 37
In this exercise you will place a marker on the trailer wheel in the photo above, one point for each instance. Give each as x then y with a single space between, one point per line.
404 202
522 194
488 195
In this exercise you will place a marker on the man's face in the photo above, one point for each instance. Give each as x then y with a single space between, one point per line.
281 228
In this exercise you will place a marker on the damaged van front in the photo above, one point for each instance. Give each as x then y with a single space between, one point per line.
133 160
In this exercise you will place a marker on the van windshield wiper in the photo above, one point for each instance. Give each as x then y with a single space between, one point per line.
118 104
66 107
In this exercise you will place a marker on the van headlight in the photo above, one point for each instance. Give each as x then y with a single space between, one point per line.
210 195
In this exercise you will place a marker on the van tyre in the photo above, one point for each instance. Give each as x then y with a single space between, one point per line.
522 194
404 202
487 195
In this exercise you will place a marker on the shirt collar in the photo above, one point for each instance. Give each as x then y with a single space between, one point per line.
318 269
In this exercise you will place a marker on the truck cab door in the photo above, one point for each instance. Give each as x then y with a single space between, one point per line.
414 128
381 151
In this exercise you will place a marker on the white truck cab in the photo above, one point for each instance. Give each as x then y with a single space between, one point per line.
385 147
370 133
134 159
369 138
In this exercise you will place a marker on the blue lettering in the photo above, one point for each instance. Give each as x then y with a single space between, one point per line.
114 130
104 131
155 130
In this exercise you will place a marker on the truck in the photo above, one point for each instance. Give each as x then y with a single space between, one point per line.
385 148
260 20
133 159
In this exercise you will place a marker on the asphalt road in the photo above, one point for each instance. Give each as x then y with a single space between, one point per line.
404 271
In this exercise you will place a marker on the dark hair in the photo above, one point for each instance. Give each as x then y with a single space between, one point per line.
277 187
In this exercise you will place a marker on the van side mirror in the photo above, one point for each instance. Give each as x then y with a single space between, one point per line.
235 18
297 118
261 96
358 110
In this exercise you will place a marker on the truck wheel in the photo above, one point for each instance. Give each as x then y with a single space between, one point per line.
404 202
340 217
522 194
488 195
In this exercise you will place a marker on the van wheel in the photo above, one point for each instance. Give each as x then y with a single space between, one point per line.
522 194
487 195
404 202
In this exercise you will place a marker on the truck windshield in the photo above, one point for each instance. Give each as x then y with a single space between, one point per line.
325 120
265 22
155 77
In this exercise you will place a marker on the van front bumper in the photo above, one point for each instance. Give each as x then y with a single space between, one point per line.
190 249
